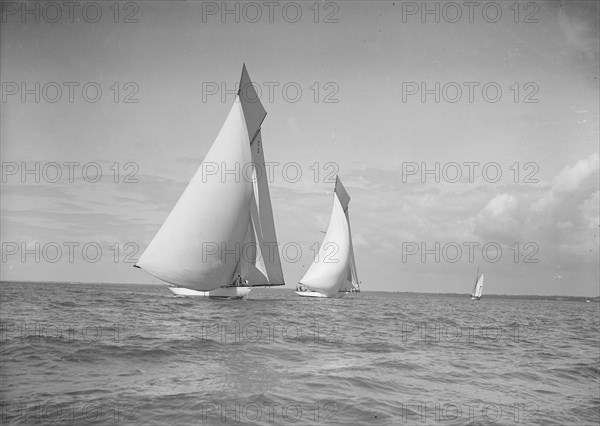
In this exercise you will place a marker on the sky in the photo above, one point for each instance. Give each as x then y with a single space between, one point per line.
466 139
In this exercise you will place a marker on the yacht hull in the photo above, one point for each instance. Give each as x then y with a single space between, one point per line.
319 295
218 293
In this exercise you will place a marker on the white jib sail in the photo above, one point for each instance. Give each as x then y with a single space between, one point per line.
329 270
196 245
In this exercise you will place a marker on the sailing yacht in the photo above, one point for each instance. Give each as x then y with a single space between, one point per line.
219 240
478 288
333 271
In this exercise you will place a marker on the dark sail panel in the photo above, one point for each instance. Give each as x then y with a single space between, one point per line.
254 112
341 193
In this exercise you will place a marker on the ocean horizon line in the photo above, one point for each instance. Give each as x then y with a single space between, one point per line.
280 288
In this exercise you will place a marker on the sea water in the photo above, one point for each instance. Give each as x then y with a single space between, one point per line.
134 354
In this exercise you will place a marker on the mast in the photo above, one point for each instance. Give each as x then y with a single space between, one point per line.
260 261
344 197
263 266
352 275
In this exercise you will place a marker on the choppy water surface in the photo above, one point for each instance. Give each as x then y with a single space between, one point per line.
105 354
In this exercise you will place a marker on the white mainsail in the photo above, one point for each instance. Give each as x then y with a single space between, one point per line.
478 288
334 269
223 223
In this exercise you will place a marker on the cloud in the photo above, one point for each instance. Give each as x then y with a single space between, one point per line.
500 207
557 218
570 190
498 219
560 215
571 178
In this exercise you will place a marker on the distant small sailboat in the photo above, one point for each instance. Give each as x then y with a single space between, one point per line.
219 240
478 288
333 272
